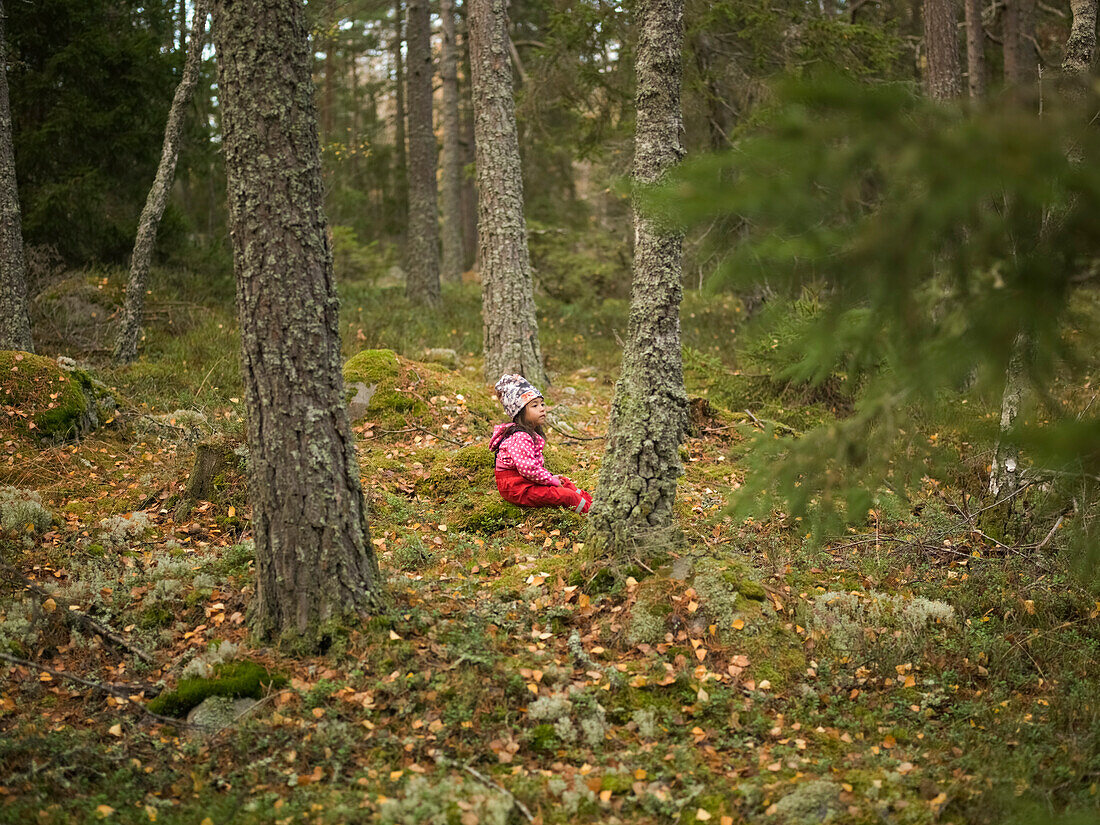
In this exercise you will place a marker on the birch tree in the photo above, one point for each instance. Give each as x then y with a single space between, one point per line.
511 335
126 341
641 465
314 560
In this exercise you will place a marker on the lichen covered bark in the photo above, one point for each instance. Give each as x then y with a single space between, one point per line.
637 488
452 162
15 328
314 561
1081 45
511 338
422 279
942 74
130 329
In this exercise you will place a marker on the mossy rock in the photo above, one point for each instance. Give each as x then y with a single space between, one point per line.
50 404
391 390
234 679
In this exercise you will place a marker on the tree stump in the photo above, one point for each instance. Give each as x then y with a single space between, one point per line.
213 459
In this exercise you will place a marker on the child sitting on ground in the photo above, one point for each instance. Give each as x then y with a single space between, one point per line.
522 478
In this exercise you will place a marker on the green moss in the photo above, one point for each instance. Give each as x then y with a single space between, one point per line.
234 679
155 617
56 405
616 782
475 457
542 737
489 514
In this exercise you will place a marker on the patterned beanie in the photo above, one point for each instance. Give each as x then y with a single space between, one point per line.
515 392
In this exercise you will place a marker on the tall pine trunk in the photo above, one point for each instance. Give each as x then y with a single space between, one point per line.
942 75
1021 61
468 146
511 335
126 342
975 48
1081 45
452 159
422 277
641 464
401 164
314 561
15 328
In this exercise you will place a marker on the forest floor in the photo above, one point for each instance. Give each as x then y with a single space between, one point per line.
910 671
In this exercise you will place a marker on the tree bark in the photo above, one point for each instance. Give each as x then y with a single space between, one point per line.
943 76
1020 58
328 113
126 342
452 159
15 328
637 488
422 277
401 166
314 561
1081 45
1004 475
511 337
468 144
975 48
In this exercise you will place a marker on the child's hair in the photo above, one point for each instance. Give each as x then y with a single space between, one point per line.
519 425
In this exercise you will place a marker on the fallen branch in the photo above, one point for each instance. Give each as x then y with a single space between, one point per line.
480 777
555 427
72 612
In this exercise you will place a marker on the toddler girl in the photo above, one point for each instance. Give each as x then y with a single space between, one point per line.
522 478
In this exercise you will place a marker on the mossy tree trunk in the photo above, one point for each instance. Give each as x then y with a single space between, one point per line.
422 277
314 561
511 335
942 73
1081 45
452 160
975 48
126 342
632 512
15 328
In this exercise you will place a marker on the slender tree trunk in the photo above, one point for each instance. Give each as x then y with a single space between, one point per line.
15 328
469 190
401 166
511 333
1021 61
975 48
328 112
943 76
1081 46
452 160
314 561
126 342
422 276
1004 475
637 487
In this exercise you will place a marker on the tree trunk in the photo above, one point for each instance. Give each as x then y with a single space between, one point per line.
401 165
1021 59
328 113
469 190
942 76
15 328
1004 475
126 342
1081 45
511 335
452 160
637 487
314 561
975 48
422 278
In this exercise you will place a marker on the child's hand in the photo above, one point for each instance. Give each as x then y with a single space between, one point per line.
567 482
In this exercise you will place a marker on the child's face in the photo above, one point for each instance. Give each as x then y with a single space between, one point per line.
535 412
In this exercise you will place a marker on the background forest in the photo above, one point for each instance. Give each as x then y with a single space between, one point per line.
879 602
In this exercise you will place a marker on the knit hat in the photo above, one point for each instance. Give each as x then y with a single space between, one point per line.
515 392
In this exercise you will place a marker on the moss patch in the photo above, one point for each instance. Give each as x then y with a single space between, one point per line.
235 680
44 402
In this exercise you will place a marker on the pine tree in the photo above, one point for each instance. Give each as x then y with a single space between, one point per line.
126 342
15 329
314 561
942 77
422 277
511 339
452 161
637 487
975 48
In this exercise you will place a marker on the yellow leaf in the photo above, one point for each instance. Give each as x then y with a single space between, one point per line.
738 624
394 637
104 811
49 605
207 821
889 742
151 812
701 815
115 729
232 512
910 681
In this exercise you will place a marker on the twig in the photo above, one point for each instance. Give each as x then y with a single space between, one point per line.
81 617
250 709
480 777
576 437
121 691
1050 535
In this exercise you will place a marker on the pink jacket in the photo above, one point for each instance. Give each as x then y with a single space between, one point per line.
522 452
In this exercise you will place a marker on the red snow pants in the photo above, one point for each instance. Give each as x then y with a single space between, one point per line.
516 489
